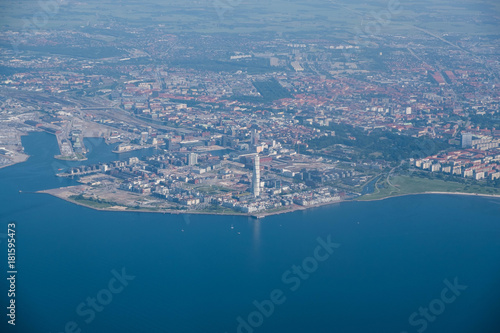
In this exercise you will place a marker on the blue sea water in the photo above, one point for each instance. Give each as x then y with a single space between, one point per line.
199 273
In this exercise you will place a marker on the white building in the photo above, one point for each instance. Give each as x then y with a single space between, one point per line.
466 140
192 159
256 176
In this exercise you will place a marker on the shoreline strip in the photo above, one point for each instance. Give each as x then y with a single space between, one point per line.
292 209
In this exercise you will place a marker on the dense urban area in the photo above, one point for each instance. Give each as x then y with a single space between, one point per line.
245 123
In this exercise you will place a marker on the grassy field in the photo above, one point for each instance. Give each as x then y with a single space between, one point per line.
271 90
207 189
401 185
220 210
94 203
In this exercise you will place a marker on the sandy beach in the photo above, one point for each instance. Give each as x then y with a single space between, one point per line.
433 192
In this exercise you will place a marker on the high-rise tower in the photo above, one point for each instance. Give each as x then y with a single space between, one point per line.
256 176
254 137
466 140
192 159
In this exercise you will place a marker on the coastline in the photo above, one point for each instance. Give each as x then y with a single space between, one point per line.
257 215
23 158
433 192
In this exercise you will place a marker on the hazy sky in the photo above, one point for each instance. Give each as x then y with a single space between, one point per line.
466 16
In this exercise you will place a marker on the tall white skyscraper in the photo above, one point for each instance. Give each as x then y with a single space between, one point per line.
192 159
256 176
466 140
